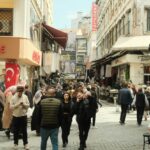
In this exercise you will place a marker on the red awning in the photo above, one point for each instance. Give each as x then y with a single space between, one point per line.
59 36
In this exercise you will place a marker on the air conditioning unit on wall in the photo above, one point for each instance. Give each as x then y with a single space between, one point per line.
4 26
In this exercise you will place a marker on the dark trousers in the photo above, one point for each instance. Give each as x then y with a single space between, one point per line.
20 126
65 126
140 112
84 127
124 109
93 118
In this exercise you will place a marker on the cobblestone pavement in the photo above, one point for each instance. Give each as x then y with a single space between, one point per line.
109 135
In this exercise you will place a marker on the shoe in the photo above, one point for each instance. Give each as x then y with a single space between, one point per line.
15 147
94 127
81 147
85 145
122 123
64 145
26 147
7 134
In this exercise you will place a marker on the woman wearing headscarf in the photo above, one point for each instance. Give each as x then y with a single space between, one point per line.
140 101
36 101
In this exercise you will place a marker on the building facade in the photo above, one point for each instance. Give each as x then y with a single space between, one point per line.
20 37
123 40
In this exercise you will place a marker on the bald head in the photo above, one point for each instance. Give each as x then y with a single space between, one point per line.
50 91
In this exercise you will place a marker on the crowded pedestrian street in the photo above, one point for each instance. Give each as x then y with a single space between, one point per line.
74 75
108 134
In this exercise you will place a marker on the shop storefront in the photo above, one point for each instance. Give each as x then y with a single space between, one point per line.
132 68
19 54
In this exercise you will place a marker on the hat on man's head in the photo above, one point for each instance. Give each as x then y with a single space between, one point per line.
20 88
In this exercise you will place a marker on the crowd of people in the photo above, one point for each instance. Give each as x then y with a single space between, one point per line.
54 108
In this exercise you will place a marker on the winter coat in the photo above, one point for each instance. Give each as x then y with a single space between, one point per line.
7 113
125 96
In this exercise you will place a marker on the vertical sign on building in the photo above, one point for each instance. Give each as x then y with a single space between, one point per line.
94 16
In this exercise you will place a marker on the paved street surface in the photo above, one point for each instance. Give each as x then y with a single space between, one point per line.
109 135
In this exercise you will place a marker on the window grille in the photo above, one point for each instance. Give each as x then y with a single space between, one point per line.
6 21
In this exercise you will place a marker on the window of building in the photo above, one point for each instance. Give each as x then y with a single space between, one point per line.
6 22
147 75
119 27
128 22
148 20
123 23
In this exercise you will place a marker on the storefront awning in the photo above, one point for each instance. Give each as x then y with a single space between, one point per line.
59 36
132 43
108 58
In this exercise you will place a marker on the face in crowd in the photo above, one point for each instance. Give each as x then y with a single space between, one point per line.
20 93
66 97
80 95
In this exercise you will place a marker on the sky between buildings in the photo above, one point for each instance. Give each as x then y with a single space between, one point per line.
66 10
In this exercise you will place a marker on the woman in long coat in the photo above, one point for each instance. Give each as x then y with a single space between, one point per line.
140 101
7 115
2 101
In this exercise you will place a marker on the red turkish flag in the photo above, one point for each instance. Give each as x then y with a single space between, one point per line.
12 74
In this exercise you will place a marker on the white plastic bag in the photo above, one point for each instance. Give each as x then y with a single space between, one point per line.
29 112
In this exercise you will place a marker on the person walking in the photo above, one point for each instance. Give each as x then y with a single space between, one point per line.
125 99
19 105
7 113
140 101
67 113
83 117
2 101
29 95
146 112
94 105
35 115
50 118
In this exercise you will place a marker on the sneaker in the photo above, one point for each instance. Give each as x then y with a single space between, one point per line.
94 127
26 147
15 147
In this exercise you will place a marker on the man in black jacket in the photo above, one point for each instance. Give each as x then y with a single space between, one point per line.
125 99
50 118
83 112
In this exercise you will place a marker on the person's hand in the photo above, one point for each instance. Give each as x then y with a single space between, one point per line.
78 100
21 103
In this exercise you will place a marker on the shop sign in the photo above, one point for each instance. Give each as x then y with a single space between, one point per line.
36 57
2 49
94 16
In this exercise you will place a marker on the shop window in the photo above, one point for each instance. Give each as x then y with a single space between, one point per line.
6 21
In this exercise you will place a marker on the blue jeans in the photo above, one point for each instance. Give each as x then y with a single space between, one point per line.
45 134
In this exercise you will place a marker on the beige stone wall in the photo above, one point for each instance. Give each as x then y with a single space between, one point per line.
110 18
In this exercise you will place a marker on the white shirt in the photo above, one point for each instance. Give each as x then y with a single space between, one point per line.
19 109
